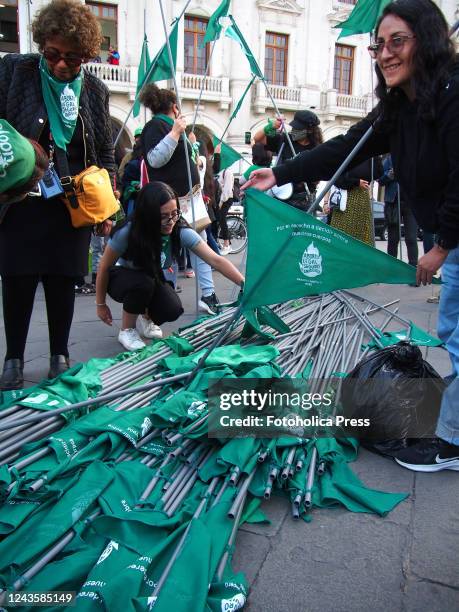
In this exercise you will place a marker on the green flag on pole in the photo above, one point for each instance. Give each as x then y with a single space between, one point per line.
214 27
228 155
160 69
291 254
144 64
235 33
363 17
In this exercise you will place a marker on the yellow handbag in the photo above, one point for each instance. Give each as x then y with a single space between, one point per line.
89 197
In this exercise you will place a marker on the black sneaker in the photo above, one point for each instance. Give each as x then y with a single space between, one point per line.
209 303
430 455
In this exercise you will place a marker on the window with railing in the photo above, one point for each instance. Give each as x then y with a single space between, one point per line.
9 36
348 1
107 14
196 56
343 69
276 56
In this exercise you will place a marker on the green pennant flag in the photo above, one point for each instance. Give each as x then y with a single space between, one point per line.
235 33
363 17
144 64
160 68
228 155
214 27
291 254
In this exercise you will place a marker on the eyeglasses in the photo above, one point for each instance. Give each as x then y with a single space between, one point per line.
174 216
53 56
393 45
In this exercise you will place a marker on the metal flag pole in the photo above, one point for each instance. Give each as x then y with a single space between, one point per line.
147 76
184 137
202 85
341 169
399 221
145 67
276 108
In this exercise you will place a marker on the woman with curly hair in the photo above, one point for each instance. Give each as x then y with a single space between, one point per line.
417 121
48 97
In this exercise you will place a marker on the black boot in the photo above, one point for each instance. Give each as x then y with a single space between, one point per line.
57 365
12 377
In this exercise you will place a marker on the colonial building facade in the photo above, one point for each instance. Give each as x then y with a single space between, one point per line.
294 42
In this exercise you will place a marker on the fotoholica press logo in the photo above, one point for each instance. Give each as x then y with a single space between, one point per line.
311 262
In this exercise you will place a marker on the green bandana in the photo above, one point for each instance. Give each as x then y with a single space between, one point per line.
165 245
61 101
17 157
194 149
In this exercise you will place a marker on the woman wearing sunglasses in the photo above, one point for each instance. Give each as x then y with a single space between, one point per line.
141 248
48 98
417 121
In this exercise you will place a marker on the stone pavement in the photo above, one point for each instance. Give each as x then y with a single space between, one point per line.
340 562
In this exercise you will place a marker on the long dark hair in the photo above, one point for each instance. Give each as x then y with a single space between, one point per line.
145 238
432 60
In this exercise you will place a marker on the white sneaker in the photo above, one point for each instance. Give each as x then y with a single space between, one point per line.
147 328
130 339
225 250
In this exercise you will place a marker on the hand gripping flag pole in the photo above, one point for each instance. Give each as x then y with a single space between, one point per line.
185 142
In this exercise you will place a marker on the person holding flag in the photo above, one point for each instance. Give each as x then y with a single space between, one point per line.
164 154
417 121
305 135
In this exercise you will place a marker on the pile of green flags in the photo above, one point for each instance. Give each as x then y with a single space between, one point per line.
138 509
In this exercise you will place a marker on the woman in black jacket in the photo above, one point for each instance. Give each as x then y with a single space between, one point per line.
417 121
49 98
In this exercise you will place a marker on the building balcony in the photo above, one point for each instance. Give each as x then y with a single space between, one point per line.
119 79
216 89
334 104
286 98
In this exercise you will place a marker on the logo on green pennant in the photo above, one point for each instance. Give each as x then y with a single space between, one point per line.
311 262
69 104
112 545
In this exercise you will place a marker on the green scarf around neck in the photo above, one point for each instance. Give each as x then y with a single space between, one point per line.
62 100
194 147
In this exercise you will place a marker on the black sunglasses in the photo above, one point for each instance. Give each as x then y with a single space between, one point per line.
52 55
393 45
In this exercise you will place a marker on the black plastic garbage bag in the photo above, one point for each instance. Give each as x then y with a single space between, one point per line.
399 392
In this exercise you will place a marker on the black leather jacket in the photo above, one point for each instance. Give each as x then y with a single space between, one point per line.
22 104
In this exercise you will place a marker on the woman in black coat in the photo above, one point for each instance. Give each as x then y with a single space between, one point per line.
417 121
49 98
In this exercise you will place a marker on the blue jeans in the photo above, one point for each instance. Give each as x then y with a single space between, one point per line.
97 246
203 272
448 331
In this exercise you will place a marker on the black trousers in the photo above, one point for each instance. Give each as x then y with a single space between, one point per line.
140 293
18 298
410 227
224 233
